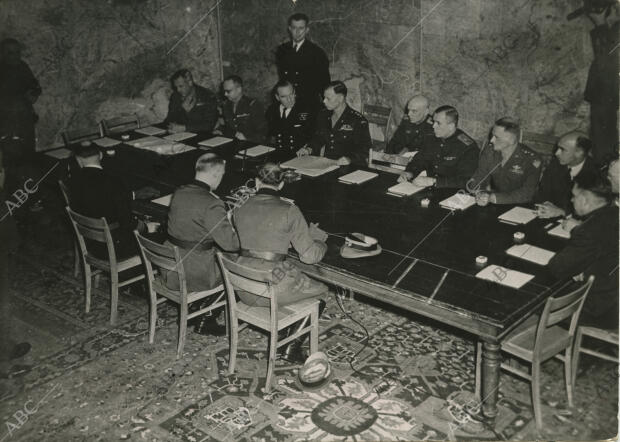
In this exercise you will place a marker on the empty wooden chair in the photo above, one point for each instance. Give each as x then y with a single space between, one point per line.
541 338
73 137
388 162
120 124
97 230
609 336
76 248
272 319
379 118
158 257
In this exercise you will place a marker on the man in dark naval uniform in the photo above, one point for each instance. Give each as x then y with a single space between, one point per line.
198 224
303 63
571 159
341 133
244 117
593 250
415 126
449 157
508 171
191 107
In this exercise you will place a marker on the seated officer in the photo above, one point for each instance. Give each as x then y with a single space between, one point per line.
508 171
191 107
244 117
197 224
570 160
415 126
290 123
449 157
341 133
593 250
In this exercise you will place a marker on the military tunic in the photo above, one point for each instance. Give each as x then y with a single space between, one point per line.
267 223
349 137
451 161
513 183
197 215
291 133
410 136
248 118
202 117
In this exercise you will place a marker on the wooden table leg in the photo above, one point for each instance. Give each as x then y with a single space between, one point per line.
491 360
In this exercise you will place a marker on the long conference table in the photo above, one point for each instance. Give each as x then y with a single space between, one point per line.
428 262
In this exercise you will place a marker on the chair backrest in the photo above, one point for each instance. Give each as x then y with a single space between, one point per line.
93 229
72 137
379 118
120 124
65 192
387 162
558 308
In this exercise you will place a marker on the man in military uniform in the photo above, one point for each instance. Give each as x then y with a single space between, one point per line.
508 171
290 124
244 117
341 133
571 159
192 107
449 157
197 224
303 63
415 126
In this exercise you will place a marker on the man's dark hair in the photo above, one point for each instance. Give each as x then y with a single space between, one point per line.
338 86
88 151
584 144
451 113
297 17
181 73
207 161
235 79
283 83
594 182
510 125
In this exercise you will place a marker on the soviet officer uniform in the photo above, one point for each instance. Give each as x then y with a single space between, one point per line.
248 117
349 137
197 223
513 183
410 136
267 227
451 161
291 132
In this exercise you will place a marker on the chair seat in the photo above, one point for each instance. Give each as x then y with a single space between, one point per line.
521 342
122 265
287 314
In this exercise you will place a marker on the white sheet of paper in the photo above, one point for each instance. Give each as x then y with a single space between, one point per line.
357 177
404 189
559 231
151 130
531 253
517 215
410 154
106 142
59 154
163 200
311 165
215 141
458 201
146 141
504 276
179 136
255 151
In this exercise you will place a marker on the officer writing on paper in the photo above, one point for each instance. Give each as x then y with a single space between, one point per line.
449 157
341 133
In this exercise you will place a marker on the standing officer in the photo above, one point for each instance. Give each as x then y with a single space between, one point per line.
341 133
290 124
449 157
191 107
415 126
303 63
508 171
244 117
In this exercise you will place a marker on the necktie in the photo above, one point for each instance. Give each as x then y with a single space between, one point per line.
283 116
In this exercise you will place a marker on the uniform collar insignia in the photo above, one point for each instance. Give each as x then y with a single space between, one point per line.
346 127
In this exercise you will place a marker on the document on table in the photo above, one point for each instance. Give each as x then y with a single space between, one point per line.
404 189
59 154
179 136
517 215
255 151
151 130
215 141
106 142
559 231
357 177
146 141
504 276
163 200
458 201
410 154
531 253
311 165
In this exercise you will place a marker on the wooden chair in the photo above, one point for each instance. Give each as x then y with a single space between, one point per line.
76 248
272 319
120 124
540 338
379 118
159 257
388 162
609 336
98 230
72 137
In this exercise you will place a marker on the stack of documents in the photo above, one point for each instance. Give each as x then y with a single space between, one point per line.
179 136
151 130
255 151
504 276
531 253
59 154
311 165
517 215
106 142
559 231
160 146
458 201
163 200
215 141
404 189
357 177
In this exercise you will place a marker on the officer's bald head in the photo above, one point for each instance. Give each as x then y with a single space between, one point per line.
417 108
210 169
572 148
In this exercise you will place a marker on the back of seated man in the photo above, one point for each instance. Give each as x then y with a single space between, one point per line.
449 157
570 160
192 107
593 250
415 127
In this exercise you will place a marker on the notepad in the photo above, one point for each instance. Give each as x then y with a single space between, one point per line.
357 177
458 201
504 276
531 253
311 165
517 215
404 189
151 130
179 136
163 200
215 141
559 231
59 154
255 151
106 142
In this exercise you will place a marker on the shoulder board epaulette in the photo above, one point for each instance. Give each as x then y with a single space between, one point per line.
464 138
429 119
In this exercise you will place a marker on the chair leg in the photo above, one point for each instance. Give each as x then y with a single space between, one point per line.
182 329
153 318
568 376
76 260
227 319
113 297
273 344
576 352
87 285
478 374
536 394
97 279
234 337
314 331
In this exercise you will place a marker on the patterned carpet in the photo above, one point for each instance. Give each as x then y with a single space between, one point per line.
412 380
